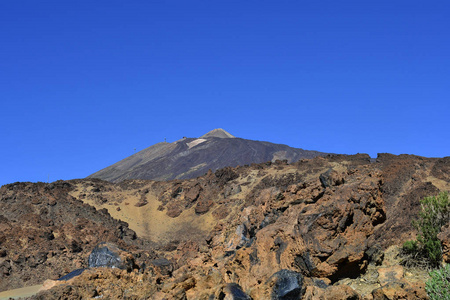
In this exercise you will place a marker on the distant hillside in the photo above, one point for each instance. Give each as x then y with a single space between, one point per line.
193 157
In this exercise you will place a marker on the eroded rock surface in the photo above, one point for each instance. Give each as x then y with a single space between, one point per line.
45 233
264 231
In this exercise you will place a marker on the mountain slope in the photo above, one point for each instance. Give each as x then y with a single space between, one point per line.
193 157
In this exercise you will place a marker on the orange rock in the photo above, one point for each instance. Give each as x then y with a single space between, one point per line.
390 274
400 290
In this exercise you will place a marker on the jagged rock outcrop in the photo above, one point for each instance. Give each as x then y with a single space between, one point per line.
46 233
265 231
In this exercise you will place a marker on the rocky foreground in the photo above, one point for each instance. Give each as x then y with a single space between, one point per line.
323 228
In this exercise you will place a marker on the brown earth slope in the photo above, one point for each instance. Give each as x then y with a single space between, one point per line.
46 233
317 224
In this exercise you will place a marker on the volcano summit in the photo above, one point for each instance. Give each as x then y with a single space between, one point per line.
193 157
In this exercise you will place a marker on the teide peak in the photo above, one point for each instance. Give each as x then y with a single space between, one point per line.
192 157
218 133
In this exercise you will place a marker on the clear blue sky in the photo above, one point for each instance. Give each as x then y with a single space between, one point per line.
83 83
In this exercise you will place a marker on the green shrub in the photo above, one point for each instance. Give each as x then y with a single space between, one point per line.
410 246
438 286
434 214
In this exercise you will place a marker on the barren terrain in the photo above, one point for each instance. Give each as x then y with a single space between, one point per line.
330 226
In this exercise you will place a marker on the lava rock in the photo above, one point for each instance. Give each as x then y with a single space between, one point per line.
164 266
71 275
375 255
287 285
331 178
400 290
233 291
109 255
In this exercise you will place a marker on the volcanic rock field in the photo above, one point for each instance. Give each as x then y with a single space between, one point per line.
322 228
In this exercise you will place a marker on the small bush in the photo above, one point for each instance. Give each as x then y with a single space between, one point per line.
438 286
434 214
410 247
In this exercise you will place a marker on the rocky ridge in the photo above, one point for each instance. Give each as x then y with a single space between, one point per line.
319 228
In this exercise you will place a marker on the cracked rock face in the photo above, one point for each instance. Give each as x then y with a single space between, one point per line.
265 231
314 230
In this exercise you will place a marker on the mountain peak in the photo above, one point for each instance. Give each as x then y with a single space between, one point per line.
193 157
217 133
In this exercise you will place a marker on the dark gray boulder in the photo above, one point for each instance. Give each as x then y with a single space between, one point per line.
109 255
234 292
287 285
164 266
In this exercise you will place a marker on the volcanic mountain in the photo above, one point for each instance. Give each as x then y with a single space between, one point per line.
193 157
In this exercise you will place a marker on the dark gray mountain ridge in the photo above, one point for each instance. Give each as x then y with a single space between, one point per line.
193 157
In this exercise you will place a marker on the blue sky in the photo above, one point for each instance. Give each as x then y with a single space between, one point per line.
84 83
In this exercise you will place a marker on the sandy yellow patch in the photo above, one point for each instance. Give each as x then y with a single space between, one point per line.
439 183
148 222
19 293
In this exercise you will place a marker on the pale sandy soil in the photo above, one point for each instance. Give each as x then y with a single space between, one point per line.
147 221
440 184
22 292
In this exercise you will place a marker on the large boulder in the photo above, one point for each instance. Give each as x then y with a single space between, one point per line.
286 285
109 255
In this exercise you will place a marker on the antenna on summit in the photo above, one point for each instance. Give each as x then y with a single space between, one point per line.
164 140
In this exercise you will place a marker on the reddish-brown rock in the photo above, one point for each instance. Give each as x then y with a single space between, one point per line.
245 229
401 289
390 274
444 237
